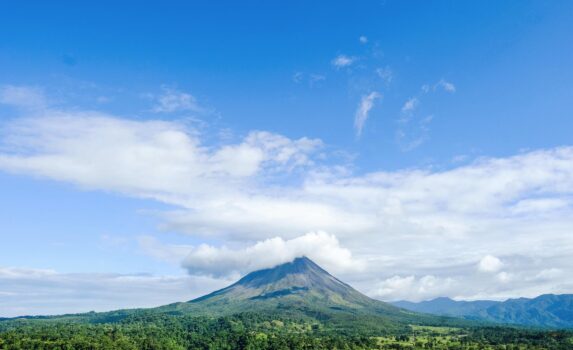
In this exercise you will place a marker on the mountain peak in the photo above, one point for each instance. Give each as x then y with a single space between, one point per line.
300 280
299 266
302 260
300 274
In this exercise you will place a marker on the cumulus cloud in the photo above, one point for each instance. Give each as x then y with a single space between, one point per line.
321 247
364 107
490 263
98 151
342 61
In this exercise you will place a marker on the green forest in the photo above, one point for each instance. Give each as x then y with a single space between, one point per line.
259 331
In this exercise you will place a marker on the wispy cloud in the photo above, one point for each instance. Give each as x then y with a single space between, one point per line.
297 77
414 131
22 97
45 292
445 85
312 78
172 100
385 74
342 61
410 105
363 110
315 78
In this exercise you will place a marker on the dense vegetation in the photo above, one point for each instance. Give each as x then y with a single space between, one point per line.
258 331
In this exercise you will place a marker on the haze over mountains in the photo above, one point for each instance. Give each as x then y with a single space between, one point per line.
548 310
303 290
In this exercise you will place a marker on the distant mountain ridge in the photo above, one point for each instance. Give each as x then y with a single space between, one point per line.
446 306
548 310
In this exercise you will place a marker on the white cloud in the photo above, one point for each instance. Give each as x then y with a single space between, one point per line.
504 277
315 78
22 96
490 263
98 151
172 100
15 273
412 132
540 205
364 107
385 74
342 61
165 252
297 77
414 222
410 105
321 247
363 39
548 274
312 78
413 288
46 292
446 86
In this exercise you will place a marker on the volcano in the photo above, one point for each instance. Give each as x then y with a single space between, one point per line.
304 290
299 280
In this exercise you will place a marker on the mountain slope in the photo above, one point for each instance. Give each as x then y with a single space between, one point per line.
300 279
554 311
303 289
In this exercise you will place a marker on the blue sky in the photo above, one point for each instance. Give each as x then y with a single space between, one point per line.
168 148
